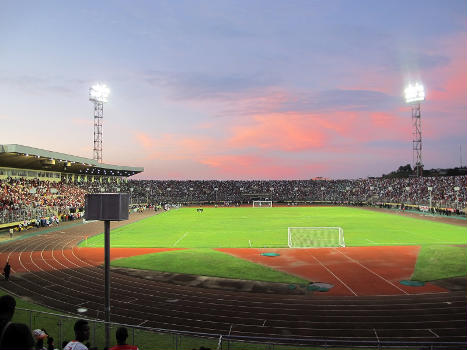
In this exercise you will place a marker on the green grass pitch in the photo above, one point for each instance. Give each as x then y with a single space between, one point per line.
267 227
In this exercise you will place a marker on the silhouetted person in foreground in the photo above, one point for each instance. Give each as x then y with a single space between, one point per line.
7 270
122 335
17 336
81 335
7 310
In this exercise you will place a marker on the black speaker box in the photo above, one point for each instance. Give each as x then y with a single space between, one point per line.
107 206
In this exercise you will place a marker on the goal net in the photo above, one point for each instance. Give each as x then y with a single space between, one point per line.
260 204
315 237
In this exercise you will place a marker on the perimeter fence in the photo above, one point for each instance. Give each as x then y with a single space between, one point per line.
60 327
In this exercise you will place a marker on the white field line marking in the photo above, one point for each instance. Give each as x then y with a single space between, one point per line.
249 242
371 241
409 243
337 278
371 271
377 338
437 336
178 240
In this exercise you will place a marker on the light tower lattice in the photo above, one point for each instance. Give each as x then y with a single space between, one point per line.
417 140
414 94
98 94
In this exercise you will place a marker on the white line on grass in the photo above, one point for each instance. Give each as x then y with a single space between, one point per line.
369 270
178 240
410 243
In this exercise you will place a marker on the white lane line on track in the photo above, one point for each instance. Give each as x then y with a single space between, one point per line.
60 245
35 246
180 239
376 334
371 271
332 273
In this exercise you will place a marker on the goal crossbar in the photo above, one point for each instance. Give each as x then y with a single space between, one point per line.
315 237
262 204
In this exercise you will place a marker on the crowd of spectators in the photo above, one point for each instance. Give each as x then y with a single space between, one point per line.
16 193
449 191
18 336
66 200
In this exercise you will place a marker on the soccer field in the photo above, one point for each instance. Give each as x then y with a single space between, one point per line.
268 227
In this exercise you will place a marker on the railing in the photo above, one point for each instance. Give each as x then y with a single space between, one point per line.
60 327
7 216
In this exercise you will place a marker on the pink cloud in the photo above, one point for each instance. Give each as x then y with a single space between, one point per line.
172 146
254 166
281 131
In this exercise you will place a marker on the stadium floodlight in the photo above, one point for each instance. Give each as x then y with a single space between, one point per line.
99 93
414 93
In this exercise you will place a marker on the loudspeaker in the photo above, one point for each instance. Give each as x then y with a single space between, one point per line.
107 206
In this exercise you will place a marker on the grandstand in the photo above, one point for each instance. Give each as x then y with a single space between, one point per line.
38 183
29 162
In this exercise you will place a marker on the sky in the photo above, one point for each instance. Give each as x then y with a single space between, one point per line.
237 89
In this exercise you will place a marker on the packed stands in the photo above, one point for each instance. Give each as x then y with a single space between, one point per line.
22 199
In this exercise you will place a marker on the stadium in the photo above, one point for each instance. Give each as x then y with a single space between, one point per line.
341 263
267 175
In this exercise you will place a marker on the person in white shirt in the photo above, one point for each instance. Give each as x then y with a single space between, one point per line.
81 335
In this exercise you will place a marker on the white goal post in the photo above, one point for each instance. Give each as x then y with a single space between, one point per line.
315 237
261 204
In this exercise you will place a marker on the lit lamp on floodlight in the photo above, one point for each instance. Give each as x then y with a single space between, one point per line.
98 94
414 94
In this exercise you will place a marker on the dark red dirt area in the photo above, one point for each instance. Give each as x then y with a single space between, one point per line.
352 270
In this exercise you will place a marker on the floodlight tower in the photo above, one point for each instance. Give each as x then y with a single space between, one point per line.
98 94
414 95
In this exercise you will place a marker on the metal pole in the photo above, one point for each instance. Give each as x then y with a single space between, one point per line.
107 282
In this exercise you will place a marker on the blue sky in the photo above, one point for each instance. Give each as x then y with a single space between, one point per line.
236 89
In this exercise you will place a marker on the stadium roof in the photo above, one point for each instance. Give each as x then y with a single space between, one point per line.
24 157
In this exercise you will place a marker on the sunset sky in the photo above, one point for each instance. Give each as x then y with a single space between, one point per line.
237 89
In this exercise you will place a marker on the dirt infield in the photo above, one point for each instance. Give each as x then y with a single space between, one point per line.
352 271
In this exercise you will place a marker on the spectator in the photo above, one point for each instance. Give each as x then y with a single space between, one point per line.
50 343
7 310
81 329
122 335
6 271
39 336
17 336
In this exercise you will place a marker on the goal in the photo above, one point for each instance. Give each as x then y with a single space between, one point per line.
315 237
260 204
